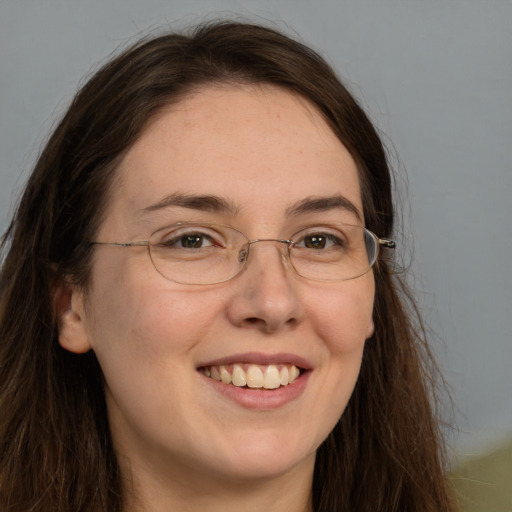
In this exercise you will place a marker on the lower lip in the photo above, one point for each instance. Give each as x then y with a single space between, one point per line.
261 398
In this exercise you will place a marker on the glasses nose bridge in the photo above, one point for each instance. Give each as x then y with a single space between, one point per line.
284 248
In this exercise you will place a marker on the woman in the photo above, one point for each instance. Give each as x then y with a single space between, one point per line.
197 307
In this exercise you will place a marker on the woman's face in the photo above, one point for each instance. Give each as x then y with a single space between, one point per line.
254 158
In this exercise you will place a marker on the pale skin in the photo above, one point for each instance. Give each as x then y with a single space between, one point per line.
181 443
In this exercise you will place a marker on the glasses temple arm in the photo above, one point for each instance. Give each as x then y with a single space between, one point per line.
386 242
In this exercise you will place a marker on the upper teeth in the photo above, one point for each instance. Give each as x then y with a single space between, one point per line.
253 376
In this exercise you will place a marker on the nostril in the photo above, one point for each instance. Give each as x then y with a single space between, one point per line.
268 325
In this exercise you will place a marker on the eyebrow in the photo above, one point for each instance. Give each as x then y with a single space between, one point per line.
323 204
216 204
205 203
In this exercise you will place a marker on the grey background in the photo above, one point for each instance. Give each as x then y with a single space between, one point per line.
436 77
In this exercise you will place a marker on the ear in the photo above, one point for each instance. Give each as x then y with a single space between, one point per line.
68 303
370 329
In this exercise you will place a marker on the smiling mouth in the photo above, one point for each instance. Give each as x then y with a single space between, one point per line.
254 376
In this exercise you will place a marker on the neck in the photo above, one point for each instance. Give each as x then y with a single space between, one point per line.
289 492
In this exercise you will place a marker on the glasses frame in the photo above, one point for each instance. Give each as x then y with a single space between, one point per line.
244 255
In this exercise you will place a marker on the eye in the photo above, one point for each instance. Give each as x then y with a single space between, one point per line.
320 241
190 238
192 241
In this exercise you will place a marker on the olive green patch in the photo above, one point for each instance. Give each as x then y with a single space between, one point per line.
484 484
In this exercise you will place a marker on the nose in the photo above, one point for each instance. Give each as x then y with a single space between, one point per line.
266 295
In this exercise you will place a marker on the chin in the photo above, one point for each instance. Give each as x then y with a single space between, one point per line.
265 456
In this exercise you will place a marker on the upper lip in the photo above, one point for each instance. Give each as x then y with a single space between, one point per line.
260 359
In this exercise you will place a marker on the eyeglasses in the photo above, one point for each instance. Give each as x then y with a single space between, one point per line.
204 254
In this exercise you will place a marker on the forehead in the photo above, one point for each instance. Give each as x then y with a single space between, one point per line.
253 145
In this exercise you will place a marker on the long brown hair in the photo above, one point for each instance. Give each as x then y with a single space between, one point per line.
56 453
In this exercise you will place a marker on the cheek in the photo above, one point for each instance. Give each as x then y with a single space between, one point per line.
173 322
342 315
149 322
142 325
342 319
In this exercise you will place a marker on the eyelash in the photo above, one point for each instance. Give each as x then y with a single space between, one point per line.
178 239
335 240
182 237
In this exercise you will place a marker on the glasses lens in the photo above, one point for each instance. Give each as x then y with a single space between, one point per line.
333 253
209 253
197 253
